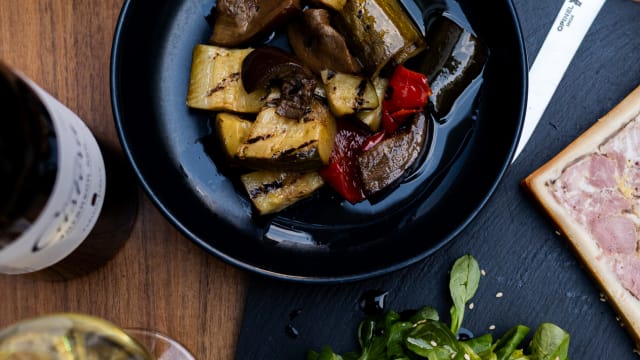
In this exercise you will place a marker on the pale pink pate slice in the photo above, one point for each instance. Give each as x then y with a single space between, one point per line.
601 191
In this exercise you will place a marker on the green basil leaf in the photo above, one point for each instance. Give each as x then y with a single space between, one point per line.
395 340
519 355
490 355
390 318
377 350
366 332
434 340
463 284
549 342
510 341
426 313
382 335
470 354
480 344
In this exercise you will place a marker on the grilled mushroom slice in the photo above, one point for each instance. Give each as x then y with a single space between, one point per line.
237 22
319 45
269 66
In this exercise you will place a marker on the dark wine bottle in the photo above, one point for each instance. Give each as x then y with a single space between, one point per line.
67 202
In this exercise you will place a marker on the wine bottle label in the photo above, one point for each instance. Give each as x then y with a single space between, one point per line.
76 199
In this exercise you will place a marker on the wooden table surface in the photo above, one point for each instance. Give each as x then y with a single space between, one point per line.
159 279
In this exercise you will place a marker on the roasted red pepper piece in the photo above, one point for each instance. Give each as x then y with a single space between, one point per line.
373 140
342 172
391 122
407 93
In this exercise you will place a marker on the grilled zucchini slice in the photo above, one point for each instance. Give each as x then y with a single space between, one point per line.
216 84
348 94
233 131
373 118
276 142
379 33
272 191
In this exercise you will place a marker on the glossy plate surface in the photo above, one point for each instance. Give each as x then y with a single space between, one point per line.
322 239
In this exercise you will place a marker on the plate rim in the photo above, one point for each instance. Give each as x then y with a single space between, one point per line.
121 24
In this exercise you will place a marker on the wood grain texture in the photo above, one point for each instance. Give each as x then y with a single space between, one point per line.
159 279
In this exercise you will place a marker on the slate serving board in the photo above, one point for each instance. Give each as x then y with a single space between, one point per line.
514 242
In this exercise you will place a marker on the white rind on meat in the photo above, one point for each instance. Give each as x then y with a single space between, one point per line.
591 190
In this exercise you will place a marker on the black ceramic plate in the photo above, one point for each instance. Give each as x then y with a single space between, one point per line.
322 239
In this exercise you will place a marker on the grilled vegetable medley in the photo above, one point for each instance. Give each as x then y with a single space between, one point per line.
337 104
422 334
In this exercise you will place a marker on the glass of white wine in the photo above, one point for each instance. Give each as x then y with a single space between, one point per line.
70 336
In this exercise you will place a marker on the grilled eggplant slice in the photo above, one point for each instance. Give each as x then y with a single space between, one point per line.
277 142
379 32
388 162
215 82
233 131
373 118
348 94
272 191
454 59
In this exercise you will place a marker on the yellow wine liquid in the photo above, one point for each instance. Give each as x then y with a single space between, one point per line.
68 337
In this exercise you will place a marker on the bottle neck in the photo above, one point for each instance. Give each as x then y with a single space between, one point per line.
28 156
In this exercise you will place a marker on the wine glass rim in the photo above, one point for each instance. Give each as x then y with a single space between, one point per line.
176 348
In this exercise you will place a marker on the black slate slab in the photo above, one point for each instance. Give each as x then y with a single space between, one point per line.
514 242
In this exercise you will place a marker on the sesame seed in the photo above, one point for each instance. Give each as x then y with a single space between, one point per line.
467 356
433 343
499 294
492 327
471 306
557 232
483 272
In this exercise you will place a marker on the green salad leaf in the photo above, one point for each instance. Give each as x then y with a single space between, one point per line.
509 342
433 340
549 342
465 278
422 335
481 345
